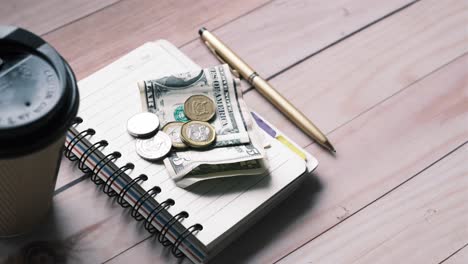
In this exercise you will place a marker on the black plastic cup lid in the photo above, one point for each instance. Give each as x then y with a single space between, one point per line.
38 93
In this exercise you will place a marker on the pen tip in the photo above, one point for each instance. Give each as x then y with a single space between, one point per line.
200 31
329 146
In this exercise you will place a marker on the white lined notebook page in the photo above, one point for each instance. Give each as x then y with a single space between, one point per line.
110 97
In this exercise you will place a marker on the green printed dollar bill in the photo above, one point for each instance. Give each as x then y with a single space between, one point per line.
166 96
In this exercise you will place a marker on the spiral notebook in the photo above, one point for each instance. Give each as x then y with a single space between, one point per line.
196 222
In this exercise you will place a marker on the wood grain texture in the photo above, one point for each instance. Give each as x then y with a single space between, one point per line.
113 32
367 13
377 151
68 173
335 86
172 18
422 221
97 40
460 257
44 16
85 226
367 89
150 243
285 32
310 215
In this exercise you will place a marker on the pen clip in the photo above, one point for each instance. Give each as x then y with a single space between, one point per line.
233 71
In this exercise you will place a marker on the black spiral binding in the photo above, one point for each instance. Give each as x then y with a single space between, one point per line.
69 147
120 196
123 192
162 235
114 176
76 121
192 229
151 193
88 153
101 164
155 212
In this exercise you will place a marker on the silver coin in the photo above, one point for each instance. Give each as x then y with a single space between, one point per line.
143 125
198 132
154 148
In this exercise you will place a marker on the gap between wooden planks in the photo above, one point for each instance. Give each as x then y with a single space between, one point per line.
423 221
93 255
44 16
340 83
117 36
95 41
458 257
107 225
379 150
364 12
415 58
451 111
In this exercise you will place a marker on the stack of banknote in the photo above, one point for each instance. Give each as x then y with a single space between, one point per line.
238 148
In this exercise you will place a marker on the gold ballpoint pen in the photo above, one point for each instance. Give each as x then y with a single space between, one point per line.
226 55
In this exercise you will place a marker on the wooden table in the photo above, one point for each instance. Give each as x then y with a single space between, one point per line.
386 80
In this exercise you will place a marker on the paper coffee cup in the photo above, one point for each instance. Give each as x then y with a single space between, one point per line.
38 101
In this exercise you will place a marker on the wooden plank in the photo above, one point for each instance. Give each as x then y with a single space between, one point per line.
460 257
70 204
284 33
123 234
118 34
68 173
97 40
425 57
378 151
365 12
422 221
340 83
354 76
85 226
44 16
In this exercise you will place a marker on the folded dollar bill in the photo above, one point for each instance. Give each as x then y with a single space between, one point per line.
239 148
166 97
191 166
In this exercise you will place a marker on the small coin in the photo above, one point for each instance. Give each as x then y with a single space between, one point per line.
143 125
173 130
198 134
199 108
154 148
179 114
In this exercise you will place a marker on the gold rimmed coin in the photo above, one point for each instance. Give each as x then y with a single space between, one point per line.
198 134
173 130
199 108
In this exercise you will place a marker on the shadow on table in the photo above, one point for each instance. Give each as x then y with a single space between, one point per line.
48 242
38 246
267 229
274 224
